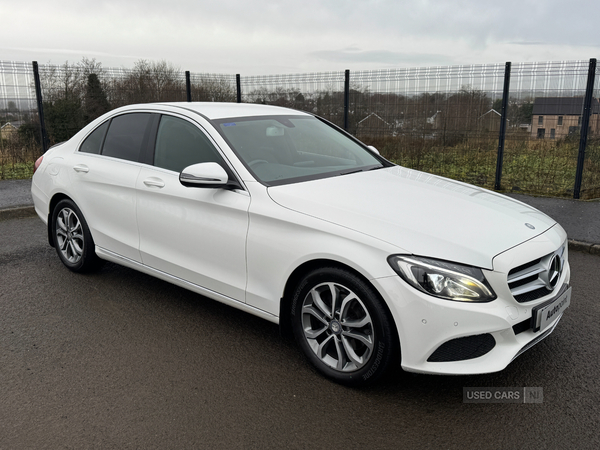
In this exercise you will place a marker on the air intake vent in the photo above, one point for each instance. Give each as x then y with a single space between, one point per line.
460 349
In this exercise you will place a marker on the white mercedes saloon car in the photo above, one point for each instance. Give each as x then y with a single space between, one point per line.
281 214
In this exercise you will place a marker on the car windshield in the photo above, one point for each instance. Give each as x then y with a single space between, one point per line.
287 149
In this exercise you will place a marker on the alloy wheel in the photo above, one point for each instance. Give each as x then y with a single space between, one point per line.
69 235
338 327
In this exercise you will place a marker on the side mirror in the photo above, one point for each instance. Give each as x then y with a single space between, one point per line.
373 149
207 175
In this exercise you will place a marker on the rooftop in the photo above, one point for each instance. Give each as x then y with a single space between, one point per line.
562 106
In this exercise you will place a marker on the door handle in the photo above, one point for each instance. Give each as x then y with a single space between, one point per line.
154 182
81 168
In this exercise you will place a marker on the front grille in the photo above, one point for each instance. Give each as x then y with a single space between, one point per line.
537 278
532 295
463 348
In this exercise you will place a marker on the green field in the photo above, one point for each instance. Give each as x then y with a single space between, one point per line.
536 167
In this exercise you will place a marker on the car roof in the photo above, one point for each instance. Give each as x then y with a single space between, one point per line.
217 110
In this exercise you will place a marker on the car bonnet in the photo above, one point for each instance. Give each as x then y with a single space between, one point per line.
419 213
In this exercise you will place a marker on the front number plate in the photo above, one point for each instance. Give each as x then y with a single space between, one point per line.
548 313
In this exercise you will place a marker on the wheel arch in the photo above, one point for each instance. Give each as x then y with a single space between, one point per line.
285 318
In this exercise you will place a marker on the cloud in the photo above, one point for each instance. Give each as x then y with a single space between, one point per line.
263 36
67 51
377 57
525 43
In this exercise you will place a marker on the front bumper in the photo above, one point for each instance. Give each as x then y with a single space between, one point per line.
446 337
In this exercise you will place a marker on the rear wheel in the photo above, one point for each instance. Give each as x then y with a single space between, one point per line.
72 238
342 326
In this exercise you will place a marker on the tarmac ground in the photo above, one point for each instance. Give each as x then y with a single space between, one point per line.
117 359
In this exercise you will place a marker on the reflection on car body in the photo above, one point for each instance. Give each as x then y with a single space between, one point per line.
283 215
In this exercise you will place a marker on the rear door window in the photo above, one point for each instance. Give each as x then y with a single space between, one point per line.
127 136
93 143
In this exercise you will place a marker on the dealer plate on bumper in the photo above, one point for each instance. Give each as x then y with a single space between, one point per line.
545 314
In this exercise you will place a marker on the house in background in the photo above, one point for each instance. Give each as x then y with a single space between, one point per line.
559 117
373 125
9 130
490 122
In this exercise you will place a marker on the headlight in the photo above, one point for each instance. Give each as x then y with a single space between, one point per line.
443 279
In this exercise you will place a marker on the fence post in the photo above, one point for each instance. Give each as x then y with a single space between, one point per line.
188 86
502 135
346 97
585 124
40 106
238 85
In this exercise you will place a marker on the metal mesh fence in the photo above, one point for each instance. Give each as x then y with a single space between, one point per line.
18 114
443 120
542 140
318 93
439 119
591 168
17 93
206 87
74 95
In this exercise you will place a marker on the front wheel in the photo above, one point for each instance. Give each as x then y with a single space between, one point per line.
72 238
342 326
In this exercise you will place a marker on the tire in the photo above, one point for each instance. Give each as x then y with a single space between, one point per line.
342 326
72 238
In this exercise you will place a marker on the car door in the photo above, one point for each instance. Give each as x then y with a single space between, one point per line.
196 234
103 173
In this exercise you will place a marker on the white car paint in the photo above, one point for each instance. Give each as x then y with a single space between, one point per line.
182 229
419 213
241 246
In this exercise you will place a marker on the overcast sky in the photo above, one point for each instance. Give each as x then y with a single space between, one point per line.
261 37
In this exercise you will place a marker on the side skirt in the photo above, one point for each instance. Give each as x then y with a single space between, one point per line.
123 261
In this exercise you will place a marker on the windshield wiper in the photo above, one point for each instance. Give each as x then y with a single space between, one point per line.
351 171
